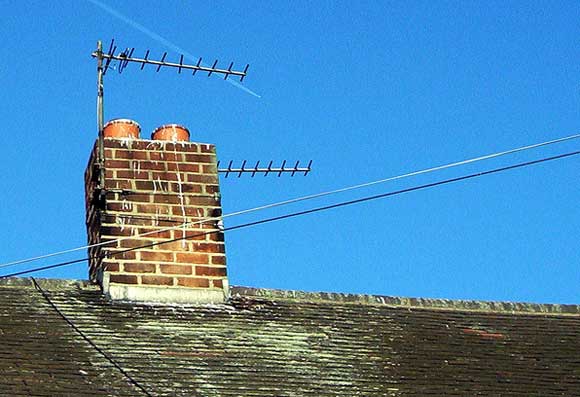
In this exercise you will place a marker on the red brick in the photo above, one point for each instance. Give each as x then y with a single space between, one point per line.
171 156
218 260
139 198
166 199
186 188
123 279
156 156
209 247
139 268
193 282
152 209
177 246
152 233
199 158
156 256
118 184
169 146
132 174
211 189
197 235
134 243
196 166
144 185
202 201
111 242
112 267
123 154
156 280
152 165
189 234
116 164
209 169
210 271
146 145
167 176
183 167
127 255
163 185
217 236
190 211
115 231
175 269
191 257
198 178
123 207
191 148
139 155
118 143
129 219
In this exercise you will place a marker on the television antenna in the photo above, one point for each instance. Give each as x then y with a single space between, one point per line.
125 57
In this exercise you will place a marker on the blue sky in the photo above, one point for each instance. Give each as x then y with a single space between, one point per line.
366 90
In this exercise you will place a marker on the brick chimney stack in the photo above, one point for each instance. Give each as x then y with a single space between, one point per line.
150 186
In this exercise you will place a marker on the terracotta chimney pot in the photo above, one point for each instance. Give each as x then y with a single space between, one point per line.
171 132
122 128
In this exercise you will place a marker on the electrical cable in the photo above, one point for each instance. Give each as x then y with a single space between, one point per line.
87 339
299 199
310 211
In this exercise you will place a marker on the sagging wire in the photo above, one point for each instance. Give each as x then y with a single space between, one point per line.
310 211
300 199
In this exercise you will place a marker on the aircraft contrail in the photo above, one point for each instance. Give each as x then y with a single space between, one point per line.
161 40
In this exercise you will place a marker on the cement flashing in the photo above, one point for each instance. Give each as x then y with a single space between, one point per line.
163 295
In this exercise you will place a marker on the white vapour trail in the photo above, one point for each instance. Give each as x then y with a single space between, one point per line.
161 40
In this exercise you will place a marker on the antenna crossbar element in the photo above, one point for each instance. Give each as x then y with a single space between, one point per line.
282 169
127 56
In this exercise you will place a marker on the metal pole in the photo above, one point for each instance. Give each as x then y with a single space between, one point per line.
100 113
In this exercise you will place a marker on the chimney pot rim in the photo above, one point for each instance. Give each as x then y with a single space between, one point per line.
122 121
172 125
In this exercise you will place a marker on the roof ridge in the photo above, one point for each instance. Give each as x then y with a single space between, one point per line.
457 305
406 302
53 284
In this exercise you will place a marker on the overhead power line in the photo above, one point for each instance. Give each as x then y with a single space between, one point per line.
87 339
310 211
300 199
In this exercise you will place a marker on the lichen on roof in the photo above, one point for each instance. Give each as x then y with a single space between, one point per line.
283 343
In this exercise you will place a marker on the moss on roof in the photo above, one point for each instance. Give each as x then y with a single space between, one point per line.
283 343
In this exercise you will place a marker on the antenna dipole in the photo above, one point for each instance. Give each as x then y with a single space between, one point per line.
256 169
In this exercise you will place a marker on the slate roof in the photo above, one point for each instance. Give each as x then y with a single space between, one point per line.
281 343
